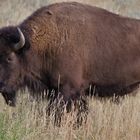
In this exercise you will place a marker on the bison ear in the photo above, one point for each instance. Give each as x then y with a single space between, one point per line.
21 42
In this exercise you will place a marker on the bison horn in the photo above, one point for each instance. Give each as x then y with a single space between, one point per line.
21 42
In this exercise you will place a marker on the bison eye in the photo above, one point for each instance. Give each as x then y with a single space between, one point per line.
9 59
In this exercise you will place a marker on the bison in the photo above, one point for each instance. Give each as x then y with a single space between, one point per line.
72 48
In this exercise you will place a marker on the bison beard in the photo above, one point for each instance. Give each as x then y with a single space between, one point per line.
70 48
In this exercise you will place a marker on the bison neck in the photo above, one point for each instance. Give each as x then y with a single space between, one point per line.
32 71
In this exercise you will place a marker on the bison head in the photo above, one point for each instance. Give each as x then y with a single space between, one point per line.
11 40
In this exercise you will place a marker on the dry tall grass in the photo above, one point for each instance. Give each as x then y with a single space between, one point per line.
106 120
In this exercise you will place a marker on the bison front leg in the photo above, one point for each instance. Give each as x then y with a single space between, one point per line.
55 110
68 97
82 110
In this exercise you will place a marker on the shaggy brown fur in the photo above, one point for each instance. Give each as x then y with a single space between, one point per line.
68 47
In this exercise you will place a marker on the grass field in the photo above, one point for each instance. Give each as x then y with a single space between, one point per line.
106 120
